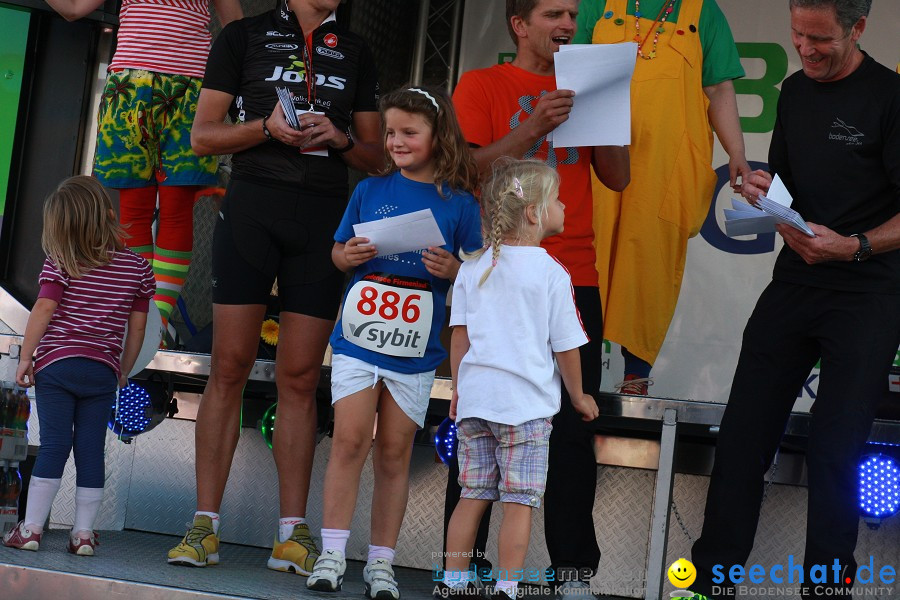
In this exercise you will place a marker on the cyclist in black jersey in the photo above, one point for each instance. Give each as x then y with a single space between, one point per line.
286 196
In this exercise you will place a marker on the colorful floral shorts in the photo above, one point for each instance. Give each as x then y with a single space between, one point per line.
144 132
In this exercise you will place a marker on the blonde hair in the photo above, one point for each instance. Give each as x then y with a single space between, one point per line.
514 185
80 227
453 162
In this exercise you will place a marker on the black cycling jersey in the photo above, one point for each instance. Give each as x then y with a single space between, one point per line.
254 55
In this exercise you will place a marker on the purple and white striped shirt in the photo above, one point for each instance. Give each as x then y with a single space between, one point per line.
90 319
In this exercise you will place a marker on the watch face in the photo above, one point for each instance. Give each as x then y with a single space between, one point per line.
865 250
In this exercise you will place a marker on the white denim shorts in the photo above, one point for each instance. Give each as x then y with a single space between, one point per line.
411 392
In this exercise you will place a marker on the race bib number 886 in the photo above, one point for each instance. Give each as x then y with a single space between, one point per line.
389 314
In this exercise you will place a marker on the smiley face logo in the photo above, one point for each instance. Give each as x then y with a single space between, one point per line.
682 573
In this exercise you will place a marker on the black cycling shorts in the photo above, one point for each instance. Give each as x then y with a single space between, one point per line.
264 232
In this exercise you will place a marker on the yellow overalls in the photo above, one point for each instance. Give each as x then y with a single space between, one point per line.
641 234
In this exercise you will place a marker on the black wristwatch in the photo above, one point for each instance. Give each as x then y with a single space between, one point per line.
865 249
349 146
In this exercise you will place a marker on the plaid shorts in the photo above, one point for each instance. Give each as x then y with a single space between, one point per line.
144 132
505 462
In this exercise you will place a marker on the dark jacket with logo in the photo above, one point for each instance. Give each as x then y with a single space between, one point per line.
836 146
254 55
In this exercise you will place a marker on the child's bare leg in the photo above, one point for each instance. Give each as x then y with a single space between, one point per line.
461 532
393 448
515 533
354 418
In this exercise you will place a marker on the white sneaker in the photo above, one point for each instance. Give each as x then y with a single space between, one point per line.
328 572
380 582
575 590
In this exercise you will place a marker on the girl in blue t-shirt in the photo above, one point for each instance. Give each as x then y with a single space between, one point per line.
386 345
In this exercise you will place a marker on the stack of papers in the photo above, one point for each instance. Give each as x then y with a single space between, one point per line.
745 219
785 215
287 107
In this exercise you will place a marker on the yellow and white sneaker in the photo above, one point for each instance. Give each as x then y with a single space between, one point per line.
298 553
200 546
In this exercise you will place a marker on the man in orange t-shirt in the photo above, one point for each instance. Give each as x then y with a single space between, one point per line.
509 110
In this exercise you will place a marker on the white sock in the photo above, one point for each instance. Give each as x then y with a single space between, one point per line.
211 515
507 587
41 492
335 539
87 505
286 527
456 579
376 552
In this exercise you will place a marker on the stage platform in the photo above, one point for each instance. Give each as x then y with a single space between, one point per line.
132 564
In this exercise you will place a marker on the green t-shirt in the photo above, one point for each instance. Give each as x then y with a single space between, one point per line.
720 57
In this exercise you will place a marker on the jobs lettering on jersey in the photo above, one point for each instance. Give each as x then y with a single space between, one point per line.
389 314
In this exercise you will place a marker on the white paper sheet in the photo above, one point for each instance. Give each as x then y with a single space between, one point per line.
403 233
779 193
600 76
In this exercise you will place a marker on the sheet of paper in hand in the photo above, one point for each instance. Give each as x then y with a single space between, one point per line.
403 233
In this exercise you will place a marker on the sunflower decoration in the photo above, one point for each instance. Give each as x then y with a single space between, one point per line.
269 333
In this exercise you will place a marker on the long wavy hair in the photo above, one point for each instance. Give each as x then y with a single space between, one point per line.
80 228
453 162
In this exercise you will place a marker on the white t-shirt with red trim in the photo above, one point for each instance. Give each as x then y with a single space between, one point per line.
523 313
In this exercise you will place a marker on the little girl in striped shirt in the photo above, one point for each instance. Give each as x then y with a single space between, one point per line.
91 287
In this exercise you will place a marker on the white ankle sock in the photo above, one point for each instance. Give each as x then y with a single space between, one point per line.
41 492
507 587
376 552
87 505
335 539
456 579
286 527
213 516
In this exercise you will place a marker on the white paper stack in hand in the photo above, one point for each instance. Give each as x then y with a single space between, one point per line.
775 208
744 219
785 215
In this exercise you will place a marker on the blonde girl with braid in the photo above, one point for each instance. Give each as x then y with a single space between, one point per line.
386 344
513 313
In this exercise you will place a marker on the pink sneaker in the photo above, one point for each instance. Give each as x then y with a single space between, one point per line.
22 538
83 546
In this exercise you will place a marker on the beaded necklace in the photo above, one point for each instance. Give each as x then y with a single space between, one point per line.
664 13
